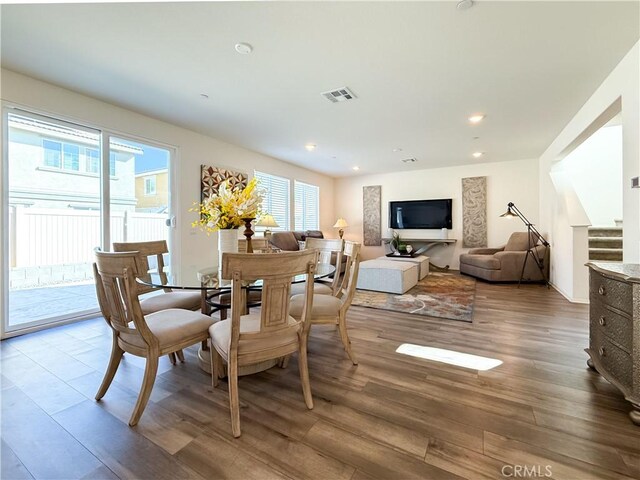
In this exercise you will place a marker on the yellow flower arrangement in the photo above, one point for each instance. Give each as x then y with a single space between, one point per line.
228 207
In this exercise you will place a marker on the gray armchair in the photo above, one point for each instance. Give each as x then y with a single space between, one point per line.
504 264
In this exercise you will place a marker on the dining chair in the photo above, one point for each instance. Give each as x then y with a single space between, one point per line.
270 334
332 309
328 250
190 300
149 336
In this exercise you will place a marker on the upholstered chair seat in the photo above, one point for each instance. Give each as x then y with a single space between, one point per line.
189 300
318 288
323 306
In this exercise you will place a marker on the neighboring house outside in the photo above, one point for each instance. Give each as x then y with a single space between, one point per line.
55 201
152 191
56 167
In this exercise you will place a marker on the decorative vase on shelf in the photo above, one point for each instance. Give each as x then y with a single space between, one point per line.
227 243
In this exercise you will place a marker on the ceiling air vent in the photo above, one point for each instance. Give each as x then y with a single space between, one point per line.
339 95
409 160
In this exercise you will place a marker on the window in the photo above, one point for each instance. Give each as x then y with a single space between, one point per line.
150 185
70 157
276 198
307 206
92 160
112 164
52 153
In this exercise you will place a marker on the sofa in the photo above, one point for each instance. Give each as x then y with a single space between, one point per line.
288 241
504 264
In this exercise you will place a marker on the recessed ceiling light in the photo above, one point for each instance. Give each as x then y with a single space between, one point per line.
356 168
477 154
476 118
398 149
310 147
464 5
244 48
204 95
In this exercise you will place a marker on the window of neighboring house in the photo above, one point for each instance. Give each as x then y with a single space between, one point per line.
70 157
150 185
276 198
112 164
92 160
307 206
52 153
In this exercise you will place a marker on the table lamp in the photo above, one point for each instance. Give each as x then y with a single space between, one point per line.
269 222
341 224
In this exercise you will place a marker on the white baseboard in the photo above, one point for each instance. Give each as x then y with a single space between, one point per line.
571 299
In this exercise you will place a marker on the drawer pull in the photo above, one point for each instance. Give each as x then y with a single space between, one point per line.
602 351
601 290
602 321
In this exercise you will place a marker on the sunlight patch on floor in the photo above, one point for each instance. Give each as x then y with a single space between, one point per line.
450 357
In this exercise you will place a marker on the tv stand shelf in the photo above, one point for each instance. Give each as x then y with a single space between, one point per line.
425 245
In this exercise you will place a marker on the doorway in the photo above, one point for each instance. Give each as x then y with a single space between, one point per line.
72 189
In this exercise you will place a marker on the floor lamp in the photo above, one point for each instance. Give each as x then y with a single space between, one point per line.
512 211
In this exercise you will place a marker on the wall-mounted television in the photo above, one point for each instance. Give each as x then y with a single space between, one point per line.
414 214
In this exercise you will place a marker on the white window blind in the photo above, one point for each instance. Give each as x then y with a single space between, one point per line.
276 198
307 206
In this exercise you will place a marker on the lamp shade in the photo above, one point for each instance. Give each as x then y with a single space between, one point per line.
341 223
267 221
509 213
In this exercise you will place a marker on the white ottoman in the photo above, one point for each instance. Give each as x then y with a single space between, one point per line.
387 276
421 260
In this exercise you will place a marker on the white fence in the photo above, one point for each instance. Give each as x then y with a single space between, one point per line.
47 236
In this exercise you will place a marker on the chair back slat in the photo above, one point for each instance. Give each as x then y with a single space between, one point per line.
350 279
326 248
276 272
154 248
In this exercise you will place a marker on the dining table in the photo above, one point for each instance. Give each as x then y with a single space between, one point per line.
216 297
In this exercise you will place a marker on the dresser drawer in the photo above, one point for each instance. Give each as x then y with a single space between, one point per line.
611 292
612 324
615 361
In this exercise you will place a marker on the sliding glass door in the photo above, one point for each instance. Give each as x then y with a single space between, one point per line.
63 202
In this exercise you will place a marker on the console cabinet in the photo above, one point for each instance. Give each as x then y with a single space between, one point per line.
614 327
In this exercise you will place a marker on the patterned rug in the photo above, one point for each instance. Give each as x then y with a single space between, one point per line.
442 295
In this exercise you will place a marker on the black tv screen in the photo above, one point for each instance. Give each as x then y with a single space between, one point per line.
415 214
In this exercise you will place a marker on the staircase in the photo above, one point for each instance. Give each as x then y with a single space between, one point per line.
605 243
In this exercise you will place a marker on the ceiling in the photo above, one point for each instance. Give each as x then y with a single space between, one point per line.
419 69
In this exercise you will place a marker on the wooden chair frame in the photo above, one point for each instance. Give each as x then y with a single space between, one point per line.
117 292
276 272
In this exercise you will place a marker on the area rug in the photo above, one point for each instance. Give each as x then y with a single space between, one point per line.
441 295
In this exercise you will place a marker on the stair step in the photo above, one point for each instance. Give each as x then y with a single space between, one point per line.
605 242
605 232
614 254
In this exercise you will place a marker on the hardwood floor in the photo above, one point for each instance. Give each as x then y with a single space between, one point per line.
392 416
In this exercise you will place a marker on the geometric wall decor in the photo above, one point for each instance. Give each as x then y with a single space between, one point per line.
371 213
474 212
212 177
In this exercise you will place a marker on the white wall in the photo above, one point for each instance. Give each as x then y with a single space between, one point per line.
568 273
595 169
513 181
194 248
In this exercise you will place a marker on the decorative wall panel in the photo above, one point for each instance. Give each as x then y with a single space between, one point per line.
474 212
371 213
212 177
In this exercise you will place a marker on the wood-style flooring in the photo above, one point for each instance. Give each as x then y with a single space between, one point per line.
391 417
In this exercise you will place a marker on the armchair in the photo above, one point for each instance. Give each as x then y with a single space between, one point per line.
504 264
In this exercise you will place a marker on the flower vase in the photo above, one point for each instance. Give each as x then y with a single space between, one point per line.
227 243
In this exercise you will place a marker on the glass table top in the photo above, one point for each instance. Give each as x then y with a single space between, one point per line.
209 278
